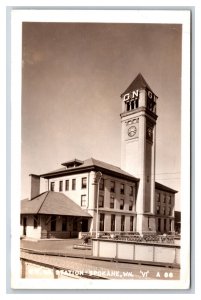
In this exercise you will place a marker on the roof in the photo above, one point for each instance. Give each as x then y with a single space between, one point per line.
52 203
138 83
97 165
162 187
91 164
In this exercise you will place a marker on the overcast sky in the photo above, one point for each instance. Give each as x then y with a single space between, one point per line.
72 78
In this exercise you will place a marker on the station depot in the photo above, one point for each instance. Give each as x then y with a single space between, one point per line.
91 195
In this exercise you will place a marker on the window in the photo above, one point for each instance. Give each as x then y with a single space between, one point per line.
150 105
169 211
67 185
74 225
52 185
83 200
101 201
157 209
163 210
169 200
36 219
157 197
112 187
127 106
122 204
159 225
122 188
101 184
53 223
122 223
64 223
60 186
111 202
165 225
131 223
131 105
73 184
112 222
102 219
130 205
24 220
84 182
131 191
164 199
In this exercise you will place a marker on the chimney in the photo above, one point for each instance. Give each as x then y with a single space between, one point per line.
35 185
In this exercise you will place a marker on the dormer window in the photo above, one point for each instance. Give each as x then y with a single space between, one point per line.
73 163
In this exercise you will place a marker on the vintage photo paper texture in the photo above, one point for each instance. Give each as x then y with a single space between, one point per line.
100 148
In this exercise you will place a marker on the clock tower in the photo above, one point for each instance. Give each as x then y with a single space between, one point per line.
138 125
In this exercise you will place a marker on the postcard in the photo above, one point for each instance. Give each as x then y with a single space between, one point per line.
100 149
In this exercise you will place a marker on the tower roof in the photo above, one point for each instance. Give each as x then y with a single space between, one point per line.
138 83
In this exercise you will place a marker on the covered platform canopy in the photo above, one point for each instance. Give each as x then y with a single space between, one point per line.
52 203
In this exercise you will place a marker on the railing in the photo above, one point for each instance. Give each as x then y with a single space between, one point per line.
148 237
101 233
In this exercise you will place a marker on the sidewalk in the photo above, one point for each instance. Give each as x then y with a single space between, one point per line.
56 246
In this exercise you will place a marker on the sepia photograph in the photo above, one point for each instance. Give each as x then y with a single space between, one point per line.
101 193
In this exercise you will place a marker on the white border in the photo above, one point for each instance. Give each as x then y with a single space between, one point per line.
120 16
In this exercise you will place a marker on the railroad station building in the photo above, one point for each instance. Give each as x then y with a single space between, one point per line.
90 195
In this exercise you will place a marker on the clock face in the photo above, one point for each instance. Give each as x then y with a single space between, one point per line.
132 131
149 132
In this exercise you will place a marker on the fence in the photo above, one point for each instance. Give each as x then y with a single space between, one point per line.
146 252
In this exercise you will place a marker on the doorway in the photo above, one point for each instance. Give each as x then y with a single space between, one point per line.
84 225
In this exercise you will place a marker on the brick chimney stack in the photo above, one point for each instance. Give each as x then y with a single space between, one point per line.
35 185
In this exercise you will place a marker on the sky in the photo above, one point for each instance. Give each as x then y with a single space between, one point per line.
72 77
